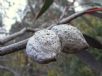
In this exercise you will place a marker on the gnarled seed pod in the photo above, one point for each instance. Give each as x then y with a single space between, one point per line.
71 37
43 46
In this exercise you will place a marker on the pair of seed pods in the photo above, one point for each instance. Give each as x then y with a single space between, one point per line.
45 45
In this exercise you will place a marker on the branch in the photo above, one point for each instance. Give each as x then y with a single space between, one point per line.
10 37
13 47
9 69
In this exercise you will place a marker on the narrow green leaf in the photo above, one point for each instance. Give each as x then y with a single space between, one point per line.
45 6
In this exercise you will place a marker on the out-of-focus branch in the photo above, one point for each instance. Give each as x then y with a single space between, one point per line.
10 70
63 13
66 9
31 8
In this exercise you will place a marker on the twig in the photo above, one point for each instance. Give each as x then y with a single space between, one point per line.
72 17
63 13
13 47
65 10
31 8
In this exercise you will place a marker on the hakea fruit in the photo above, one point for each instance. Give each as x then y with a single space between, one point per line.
43 46
70 37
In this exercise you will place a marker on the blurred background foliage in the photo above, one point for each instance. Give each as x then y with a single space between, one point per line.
18 64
